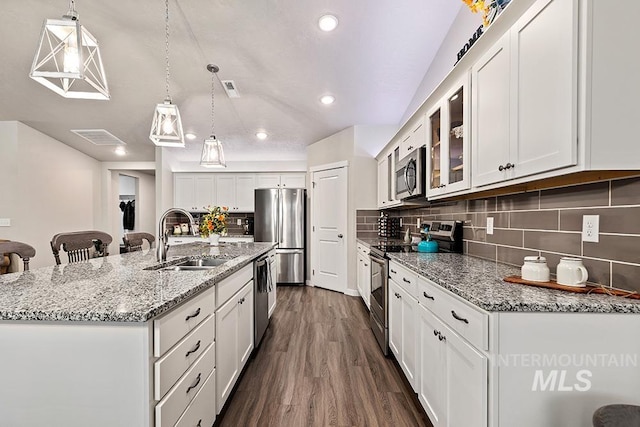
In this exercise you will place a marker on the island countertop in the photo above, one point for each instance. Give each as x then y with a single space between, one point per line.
118 288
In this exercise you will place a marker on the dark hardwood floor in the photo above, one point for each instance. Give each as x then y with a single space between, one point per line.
319 365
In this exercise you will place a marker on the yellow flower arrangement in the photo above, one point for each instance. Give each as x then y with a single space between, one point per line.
490 9
215 221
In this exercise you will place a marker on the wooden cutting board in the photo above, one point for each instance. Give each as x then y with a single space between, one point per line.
589 289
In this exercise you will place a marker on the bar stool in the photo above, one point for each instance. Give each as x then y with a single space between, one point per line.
617 415
24 251
78 245
133 241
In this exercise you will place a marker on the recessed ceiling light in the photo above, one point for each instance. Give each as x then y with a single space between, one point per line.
261 135
191 136
120 151
328 22
327 99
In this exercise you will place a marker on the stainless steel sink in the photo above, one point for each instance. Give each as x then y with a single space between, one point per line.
196 264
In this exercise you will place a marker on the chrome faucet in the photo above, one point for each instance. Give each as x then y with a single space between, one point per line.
163 235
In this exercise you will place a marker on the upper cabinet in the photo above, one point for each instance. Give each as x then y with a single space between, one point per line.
288 180
194 192
236 191
524 103
447 130
413 138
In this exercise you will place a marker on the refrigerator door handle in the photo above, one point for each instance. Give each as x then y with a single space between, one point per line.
279 217
289 251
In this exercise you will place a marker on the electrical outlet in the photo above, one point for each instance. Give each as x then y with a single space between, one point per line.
400 222
5 222
238 221
591 228
489 225
418 222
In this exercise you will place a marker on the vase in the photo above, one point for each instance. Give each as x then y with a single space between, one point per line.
214 239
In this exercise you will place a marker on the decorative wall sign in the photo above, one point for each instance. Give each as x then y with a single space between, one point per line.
490 10
468 44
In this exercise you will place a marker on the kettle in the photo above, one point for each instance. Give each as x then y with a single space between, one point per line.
428 245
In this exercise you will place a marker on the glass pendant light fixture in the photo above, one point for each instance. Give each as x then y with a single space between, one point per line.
212 152
68 59
166 129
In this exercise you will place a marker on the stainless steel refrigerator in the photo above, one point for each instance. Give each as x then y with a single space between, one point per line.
280 217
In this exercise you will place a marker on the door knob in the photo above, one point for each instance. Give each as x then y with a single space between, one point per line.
340 236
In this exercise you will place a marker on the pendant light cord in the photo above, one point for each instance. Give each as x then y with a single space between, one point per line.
213 77
71 14
166 34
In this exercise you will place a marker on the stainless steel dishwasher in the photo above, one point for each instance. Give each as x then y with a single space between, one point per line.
261 287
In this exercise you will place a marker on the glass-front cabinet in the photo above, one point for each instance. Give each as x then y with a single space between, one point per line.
448 141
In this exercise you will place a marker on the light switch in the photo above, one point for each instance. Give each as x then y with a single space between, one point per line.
489 225
5 222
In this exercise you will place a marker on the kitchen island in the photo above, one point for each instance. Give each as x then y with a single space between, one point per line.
103 342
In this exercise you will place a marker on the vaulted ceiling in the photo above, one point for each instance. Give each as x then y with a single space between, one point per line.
279 59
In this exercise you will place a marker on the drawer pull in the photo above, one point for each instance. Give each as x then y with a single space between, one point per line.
366 265
199 423
191 316
436 332
441 337
194 349
398 296
194 385
427 296
404 279
241 301
393 271
462 319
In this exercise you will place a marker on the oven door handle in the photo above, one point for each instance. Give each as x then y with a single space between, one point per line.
377 260
406 178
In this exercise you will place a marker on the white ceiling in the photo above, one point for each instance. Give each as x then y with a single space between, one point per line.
273 50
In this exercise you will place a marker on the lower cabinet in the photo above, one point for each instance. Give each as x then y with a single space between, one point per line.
234 340
452 375
363 276
402 329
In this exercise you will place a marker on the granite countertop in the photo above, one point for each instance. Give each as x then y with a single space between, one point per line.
480 282
372 241
118 288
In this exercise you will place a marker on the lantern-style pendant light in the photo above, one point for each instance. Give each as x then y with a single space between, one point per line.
212 153
68 59
166 129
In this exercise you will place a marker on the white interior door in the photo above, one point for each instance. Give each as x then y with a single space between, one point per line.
329 229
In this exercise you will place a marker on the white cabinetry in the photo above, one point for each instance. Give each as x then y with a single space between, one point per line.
289 180
363 276
403 309
234 330
452 372
236 191
414 138
524 103
447 129
274 275
194 192
383 182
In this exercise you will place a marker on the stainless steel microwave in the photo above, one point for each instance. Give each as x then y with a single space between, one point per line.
410 175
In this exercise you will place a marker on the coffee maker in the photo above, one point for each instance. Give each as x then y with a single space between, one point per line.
248 226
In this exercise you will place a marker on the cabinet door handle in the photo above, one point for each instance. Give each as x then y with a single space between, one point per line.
393 271
195 384
441 337
340 236
509 166
404 279
194 349
409 148
427 296
398 296
501 168
455 316
199 423
191 316
366 265
436 332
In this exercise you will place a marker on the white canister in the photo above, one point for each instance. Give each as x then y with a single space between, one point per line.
535 269
571 272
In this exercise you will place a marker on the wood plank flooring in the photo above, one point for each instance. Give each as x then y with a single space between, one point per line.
319 365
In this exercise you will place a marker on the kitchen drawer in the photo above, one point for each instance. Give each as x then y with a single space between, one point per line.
363 249
202 410
226 288
169 409
404 278
176 361
468 321
170 328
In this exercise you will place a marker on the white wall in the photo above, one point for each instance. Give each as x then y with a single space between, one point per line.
164 181
463 27
47 188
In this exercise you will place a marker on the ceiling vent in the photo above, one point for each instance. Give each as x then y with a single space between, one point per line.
98 136
230 88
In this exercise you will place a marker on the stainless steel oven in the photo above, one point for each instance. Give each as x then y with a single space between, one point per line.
410 175
379 316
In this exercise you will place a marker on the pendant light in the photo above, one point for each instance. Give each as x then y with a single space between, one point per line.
212 153
166 129
68 59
